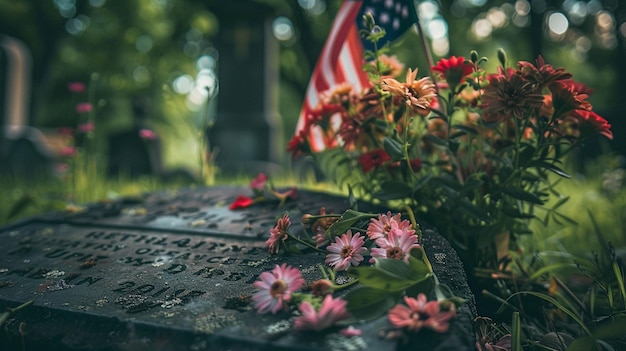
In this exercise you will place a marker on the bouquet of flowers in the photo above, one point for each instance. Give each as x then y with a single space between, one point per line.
475 153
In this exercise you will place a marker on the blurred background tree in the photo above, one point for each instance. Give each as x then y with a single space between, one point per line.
159 49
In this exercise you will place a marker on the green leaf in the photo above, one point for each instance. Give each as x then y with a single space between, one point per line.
381 279
395 275
392 190
473 210
345 222
394 268
366 303
557 304
419 264
550 268
619 275
393 148
550 167
516 332
523 195
466 129
613 329
436 140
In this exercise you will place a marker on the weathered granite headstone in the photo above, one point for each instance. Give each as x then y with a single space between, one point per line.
247 128
174 271
25 151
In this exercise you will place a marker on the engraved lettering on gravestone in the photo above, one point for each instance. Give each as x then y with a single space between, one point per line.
140 270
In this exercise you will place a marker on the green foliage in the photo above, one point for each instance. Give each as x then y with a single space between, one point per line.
384 283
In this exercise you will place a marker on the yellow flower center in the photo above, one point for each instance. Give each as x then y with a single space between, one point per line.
395 253
345 251
278 288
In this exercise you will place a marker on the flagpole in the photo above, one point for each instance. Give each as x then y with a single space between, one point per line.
425 46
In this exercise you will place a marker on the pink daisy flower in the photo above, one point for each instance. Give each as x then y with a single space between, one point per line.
278 234
258 183
418 314
380 227
276 288
331 311
346 251
397 245
350 331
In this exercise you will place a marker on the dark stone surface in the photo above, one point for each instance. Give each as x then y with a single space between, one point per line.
174 270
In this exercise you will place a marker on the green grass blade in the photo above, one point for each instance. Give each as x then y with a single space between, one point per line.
516 333
619 275
558 305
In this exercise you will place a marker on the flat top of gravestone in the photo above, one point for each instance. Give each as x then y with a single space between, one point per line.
170 268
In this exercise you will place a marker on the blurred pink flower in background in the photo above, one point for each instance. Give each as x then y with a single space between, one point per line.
258 183
147 134
76 87
67 151
331 311
86 127
84 107
65 131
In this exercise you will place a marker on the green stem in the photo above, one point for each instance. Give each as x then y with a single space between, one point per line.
414 222
344 286
11 311
305 243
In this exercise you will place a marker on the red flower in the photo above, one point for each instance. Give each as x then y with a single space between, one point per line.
590 123
373 159
299 146
566 97
507 95
542 74
453 69
241 202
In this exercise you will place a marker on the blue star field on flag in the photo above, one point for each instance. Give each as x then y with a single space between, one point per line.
394 16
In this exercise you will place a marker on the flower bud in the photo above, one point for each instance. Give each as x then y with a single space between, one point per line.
502 57
474 56
368 20
322 287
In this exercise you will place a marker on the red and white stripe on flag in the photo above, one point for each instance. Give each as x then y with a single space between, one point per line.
340 62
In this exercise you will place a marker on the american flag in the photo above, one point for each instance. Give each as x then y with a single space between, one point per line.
341 59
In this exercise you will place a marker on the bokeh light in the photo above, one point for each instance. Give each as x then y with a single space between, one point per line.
283 28
558 23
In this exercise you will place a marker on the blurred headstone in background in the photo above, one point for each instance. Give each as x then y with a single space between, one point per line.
25 151
247 129
129 153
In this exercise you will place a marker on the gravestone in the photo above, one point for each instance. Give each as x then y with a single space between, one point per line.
25 151
174 271
130 154
247 126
